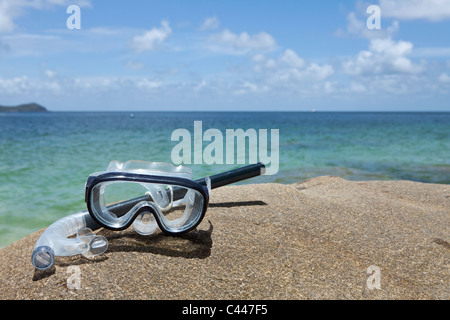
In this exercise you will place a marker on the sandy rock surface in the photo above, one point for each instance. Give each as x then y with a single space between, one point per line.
311 240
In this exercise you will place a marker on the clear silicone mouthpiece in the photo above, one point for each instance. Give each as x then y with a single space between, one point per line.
55 242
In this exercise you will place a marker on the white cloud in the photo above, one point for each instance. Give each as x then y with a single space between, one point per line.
396 85
357 87
211 23
330 87
249 87
292 59
445 78
232 43
50 74
92 84
270 63
107 31
10 10
150 40
16 85
110 84
289 71
23 44
384 56
432 52
135 65
146 84
200 86
358 28
258 57
7 14
54 84
24 85
432 10
317 72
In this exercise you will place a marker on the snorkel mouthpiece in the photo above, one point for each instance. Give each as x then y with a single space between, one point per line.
55 242
95 245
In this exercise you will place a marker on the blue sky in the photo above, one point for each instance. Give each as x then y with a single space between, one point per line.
226 55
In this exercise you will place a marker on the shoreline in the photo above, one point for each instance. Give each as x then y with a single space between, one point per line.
313 239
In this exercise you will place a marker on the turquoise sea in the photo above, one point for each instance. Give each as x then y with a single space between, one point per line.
46 158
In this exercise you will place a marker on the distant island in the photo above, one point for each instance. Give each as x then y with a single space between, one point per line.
30 107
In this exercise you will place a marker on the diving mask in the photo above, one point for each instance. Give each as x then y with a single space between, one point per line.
151 195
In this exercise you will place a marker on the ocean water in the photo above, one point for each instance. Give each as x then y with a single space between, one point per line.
45 159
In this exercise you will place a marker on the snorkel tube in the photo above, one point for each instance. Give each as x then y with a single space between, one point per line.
236 175
54 241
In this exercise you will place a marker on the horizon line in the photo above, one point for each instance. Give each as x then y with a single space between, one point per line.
251 111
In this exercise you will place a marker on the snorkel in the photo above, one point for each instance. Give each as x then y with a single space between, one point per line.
55 240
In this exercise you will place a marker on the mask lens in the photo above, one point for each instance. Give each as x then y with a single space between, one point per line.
185 211
116 203
118 192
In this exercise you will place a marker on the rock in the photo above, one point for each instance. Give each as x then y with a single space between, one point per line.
311 240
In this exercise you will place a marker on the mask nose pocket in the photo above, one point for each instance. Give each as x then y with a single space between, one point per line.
145 223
